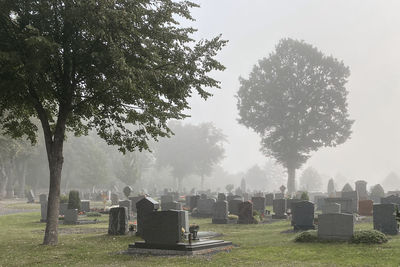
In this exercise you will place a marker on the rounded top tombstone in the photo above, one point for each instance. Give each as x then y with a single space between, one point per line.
347 188
127 191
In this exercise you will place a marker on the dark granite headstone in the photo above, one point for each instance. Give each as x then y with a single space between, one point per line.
303 215
259 204
220 212
384 217
85 205
134 200
118 223
246 213
279 208
144 207
43 211
233 206
205 206
392 199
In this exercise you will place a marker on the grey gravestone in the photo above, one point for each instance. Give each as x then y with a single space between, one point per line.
220 212
163 227
221 197
171 205
166 199
205 206
346 204
114 199
303 215
118 222
184 215
269 198
63 208
335 226
279 208
353 195
43 211
391 200
361 188
42 198
144 207
279 196
331 208
233 206
289 203
127 204
246 213
85 205
134 200
319 201
31 196
71 216
193 201
384 216
259 204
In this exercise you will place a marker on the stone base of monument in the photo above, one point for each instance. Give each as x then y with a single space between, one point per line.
279 217
303 227
184 249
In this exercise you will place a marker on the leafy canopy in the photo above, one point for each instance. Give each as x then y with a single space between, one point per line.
296 100
100 65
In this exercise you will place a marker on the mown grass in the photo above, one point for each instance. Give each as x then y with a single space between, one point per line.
258 245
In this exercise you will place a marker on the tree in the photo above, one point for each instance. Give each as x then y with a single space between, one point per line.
391 181
310 180
256 178
229 188
194 149
82 65
296 101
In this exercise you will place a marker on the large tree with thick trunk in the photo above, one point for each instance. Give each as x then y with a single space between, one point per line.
81 65
295 99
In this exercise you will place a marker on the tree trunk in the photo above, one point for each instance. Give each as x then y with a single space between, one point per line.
291 185
55 166
10 180
22 181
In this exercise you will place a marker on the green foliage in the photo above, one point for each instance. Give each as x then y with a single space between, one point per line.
307 237
233 217
93 214
295 99
369 237
229 187
310 180
304 196
64 199
74 202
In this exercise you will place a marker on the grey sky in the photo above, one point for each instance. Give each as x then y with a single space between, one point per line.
365 34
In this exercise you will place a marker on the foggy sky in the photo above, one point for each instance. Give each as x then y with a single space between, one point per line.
364 34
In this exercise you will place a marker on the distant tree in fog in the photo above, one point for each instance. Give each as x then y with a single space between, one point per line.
391 182
194 149
310 180
229 188
256 178
296 101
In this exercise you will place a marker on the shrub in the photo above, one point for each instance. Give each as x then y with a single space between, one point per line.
368 237
74 201
307 237
63 199
93 214
304 196
233 217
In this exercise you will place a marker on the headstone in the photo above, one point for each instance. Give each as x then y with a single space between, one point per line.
134 200
118 222
353 195
193 201
365 207
127 204
346 204
279 208
377 193
171 205
166 199
393 199
279 196
384 217
246 213
163 227
205 206
71 216
259 204
220 212
31 196
269 198
144 207
221 197
63 208
232 197
361 188
42 198
233 206
319 201
303 215
335 226
43 211
331 208
289 203
85 205
114 199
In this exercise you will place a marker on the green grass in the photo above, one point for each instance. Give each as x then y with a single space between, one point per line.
258 245
24 206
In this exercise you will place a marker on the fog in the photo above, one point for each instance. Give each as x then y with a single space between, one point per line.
364 34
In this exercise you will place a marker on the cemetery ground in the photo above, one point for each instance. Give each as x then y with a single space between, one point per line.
256 245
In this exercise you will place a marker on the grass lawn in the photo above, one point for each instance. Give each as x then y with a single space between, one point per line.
258 245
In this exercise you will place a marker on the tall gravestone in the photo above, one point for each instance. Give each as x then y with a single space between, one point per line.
43 211
71 216
384 217
335 226
303 215
246 213
353 195
365 207
361 188
259 204
279 208
144 207
118 223
233 206
220 212
269 198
